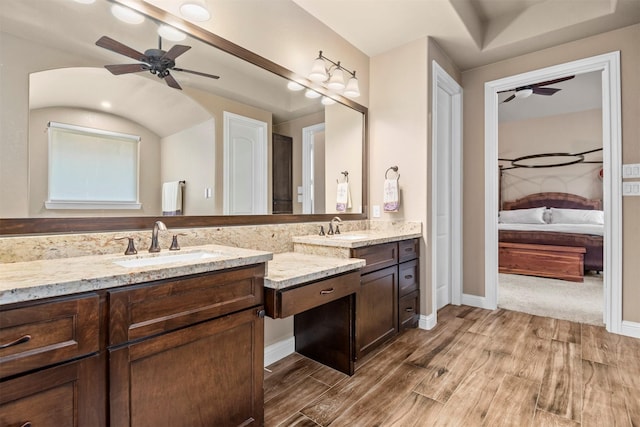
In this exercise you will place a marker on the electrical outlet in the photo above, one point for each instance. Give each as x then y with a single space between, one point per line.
631 188
631 171
376 211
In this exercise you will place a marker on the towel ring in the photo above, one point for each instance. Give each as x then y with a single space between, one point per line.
345 178
392 168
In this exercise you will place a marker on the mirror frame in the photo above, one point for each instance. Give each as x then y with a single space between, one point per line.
23 226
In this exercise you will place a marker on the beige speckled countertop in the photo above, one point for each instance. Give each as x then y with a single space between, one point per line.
292 268
357 239
24 281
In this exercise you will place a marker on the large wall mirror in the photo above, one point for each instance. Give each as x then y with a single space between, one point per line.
244 148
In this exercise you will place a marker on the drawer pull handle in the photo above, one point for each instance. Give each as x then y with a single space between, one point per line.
27 424
326 291
408 309
20 340
408 276
408 249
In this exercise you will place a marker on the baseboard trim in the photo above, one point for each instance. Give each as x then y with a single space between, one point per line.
279 350
475 301
630 329
427 322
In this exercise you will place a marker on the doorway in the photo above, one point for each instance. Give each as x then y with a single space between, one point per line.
446 194
245 165
609 65
313 169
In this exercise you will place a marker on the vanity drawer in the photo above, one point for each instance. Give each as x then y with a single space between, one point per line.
408 310
408 249
47 333
303 298
408 277
377 256
139 311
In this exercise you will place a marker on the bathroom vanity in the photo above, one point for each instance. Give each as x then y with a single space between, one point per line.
174 337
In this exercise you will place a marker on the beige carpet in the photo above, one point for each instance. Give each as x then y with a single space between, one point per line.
560 299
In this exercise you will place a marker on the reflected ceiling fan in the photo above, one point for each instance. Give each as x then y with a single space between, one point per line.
535 89
156 61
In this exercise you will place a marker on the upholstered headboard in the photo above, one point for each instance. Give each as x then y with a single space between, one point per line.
553 200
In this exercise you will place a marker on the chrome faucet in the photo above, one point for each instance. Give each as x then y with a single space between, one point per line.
332 231
159 225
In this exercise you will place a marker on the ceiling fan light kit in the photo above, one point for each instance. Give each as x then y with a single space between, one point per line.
535 89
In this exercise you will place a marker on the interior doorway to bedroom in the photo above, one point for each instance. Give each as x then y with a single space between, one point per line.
550 160
608 65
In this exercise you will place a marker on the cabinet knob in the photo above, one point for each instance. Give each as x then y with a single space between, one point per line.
408 276
261 314
408 309
20 340
408 249
327 291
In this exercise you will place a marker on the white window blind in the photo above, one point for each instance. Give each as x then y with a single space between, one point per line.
92 168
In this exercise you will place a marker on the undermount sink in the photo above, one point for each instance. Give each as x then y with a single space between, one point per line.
349 236
166 258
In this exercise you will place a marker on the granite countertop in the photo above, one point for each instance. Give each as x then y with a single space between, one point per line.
292 268
357 239
31 280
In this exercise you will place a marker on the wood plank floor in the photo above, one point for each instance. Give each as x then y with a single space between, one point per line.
476 368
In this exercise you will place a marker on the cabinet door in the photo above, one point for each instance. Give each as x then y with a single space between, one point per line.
282 174
69 395
208 374
376 309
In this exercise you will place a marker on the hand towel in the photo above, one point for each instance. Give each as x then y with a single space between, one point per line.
343 198
172 198
391 198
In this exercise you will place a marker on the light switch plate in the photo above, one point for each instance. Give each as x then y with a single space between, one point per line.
376 211
631 171
631 188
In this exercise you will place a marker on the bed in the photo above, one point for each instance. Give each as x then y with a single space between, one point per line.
519 223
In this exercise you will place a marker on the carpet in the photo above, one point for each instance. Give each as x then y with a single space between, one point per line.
559 299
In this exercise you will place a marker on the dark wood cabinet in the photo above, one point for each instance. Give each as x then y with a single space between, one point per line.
388 299
51 371
188 351
204 375
282 174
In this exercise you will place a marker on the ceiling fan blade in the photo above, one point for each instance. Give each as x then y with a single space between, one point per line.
172 82
175 51
550 82
548 91
509 99
508 90
196 72
117 47
126 68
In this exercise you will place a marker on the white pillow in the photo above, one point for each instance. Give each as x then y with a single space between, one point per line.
523 216
576 216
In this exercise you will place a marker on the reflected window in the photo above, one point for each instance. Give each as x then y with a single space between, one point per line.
92 168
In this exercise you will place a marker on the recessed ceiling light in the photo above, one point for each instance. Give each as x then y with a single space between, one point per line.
170 33
126 15
105 104
195 11
85 1
294 86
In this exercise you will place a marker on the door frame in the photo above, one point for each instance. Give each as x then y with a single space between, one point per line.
307 148
441 79
260 165
609 65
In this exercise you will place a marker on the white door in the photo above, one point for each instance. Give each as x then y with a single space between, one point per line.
446 194
312 174
443 191
245 166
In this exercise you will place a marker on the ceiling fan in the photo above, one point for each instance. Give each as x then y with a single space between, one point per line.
156 61
536 88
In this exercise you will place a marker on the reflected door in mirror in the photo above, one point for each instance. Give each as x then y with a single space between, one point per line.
282 174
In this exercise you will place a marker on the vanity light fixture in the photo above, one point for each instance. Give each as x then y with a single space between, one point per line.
195 10
170 33
294 86
126 15
333 75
